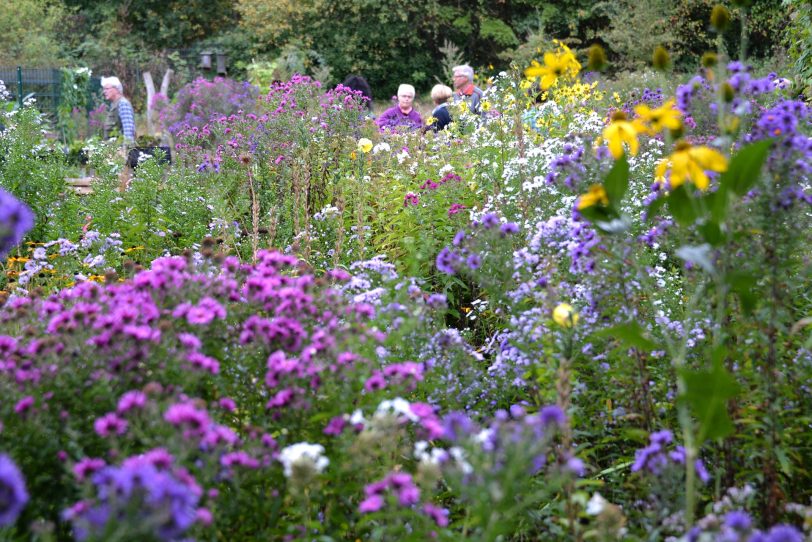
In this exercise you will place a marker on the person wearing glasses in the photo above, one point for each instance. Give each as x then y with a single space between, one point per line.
403 116
464 88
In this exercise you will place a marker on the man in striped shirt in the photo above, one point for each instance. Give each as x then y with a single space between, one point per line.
120 116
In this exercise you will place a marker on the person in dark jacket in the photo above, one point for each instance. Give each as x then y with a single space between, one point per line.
440 116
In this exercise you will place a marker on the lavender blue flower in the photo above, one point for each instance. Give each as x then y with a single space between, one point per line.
13 495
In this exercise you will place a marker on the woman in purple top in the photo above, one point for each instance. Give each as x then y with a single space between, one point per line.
401 117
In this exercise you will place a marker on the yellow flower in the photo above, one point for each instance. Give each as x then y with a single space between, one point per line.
133 249
364 145
564 315
96 278
430 121
485 105
618 132
353 155
689 163
555 65
595 196
654 121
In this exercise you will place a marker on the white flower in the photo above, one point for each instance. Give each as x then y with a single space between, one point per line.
596 504
396 406
381 147
303 452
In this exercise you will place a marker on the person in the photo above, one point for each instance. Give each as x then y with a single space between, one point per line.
120 119
465 89
359 84
120 115
403 115
440 94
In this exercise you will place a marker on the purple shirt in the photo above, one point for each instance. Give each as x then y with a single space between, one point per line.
395 119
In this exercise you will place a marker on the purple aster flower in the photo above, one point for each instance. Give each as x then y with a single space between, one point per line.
490 220
110 424
372 503
130 400
439 515
447 260
15 221
509 228
552 415
738 520
784 533
13 495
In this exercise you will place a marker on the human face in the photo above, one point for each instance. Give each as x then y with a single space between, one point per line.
405 102
460 80
111 93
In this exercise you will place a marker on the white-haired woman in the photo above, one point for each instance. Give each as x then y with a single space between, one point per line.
402 116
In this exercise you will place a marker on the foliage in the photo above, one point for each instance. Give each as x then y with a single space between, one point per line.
798 41
30 34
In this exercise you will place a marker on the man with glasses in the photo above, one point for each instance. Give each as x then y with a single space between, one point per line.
464 88
120 119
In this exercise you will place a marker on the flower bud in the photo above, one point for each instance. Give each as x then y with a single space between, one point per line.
597 58
660 59
727 92
720 18
709 59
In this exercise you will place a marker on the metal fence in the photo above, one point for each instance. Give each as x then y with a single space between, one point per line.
45 84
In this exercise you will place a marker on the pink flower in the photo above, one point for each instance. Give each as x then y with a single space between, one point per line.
371 504
110 424
130 400
24 404
87 466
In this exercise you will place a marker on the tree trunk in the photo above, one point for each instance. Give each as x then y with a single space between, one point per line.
150 95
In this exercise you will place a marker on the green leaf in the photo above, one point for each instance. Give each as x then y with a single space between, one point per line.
655 207
744 168
717 203
707 393
617 181
743 285
711 233
630 333
681 206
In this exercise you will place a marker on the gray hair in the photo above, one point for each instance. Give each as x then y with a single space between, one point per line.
465 70
112 81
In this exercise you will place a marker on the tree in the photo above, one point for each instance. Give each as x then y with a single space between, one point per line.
29 33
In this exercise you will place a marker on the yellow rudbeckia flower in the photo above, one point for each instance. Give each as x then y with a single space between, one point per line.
564 315
654 121
618 132
595 196
689 163
555 66
364 145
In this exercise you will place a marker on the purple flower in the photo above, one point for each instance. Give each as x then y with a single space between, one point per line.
15 221
509 229
371 504
439 515
784 533
130 400
738 520
13 495
110 424
447 260
552 415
